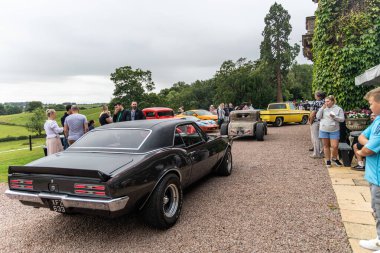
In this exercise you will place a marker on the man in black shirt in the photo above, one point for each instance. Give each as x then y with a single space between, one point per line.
135 113
67 113
120 113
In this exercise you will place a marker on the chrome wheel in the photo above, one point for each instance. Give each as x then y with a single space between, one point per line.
170 200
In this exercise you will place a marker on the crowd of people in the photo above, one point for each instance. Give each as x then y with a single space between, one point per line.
75 125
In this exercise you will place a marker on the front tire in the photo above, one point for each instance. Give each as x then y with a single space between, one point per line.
224 129
279 122
225 168
165 204
304 120
260 131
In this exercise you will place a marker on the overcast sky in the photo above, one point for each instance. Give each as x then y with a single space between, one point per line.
64 51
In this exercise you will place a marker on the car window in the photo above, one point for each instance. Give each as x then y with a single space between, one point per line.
150 114
189 134
112 139
166 113
178 141
292 107
203 113
277 106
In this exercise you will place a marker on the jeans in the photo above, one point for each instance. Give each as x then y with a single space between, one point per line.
317 143
375 204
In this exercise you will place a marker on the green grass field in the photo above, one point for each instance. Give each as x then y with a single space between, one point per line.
19 157
13 131
22 118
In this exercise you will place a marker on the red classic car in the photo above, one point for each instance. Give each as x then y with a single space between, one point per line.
158 113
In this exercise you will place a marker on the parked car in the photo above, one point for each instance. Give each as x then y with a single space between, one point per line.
280 113
245 123
158 113
201 114
205 125
120 167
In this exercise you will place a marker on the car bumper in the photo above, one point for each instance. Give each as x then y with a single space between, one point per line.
41 199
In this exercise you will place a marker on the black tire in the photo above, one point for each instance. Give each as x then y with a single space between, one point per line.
159 214
279 122
304 120
266 128
224 129
225 168
260 131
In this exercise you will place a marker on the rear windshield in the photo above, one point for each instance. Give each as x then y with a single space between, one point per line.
166 113
243 116
150 114
277 106
112 139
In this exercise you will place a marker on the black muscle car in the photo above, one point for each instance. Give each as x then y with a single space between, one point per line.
120 167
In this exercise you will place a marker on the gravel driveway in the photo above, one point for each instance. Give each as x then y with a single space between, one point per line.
276 200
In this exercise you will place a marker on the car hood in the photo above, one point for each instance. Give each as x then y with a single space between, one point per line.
104 162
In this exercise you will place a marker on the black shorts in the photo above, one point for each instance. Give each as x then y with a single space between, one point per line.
359 146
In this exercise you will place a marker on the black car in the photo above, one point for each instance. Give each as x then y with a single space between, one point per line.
121 167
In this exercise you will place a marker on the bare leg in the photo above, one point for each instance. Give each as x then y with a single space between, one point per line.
334 145
326 148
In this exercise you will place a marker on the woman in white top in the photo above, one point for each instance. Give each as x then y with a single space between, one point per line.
53 141
330 116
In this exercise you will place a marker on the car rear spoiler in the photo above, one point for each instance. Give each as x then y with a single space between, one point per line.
59 171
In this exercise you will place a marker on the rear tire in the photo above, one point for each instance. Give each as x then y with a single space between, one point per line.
304 120
279 122
225 168
164 205
266 128
260 131
224 129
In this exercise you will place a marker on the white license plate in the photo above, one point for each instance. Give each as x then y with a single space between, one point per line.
57 205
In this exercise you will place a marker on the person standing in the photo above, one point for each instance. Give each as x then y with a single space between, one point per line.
119 113
105 116
67 113
221 114
330 115
135 113
91 125
370 138
314 125
52 130
75 125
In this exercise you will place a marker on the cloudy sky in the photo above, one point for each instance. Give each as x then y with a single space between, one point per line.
64 51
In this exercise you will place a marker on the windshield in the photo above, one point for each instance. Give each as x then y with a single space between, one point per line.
203 112
191 118
118 138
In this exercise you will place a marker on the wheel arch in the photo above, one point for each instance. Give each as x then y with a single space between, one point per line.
174 171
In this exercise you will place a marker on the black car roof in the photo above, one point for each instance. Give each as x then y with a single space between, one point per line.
146 124
162 131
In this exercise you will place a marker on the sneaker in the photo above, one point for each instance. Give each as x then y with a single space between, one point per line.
358 167
311 149
315 156
373 244
328 164
336 162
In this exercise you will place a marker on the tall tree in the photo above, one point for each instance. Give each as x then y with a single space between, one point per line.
36 122
275 48
131 85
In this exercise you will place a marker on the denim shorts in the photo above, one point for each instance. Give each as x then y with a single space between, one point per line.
329 135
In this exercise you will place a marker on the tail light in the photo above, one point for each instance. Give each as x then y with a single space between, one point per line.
21 184
90 189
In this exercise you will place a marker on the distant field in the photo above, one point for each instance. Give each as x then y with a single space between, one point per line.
22 118
13 131
20 157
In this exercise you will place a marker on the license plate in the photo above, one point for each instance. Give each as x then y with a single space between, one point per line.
57 205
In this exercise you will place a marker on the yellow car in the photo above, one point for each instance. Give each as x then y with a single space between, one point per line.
201 114
280 113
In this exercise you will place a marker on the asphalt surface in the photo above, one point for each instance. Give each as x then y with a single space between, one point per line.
276 200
